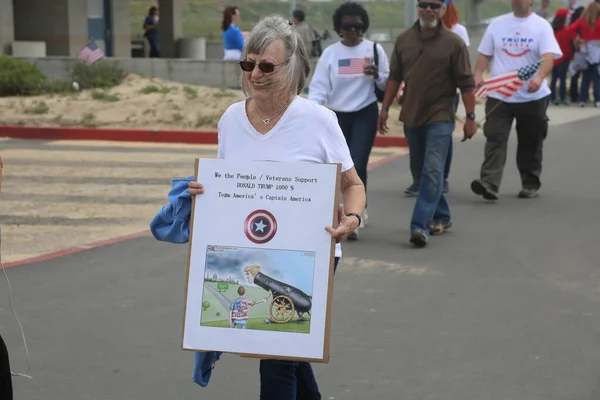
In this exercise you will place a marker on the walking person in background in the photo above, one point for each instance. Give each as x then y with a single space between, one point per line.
578 63
450 21
561 65
151 31
543 10
512 41
588 29
233 40
344 81
433 62
306 31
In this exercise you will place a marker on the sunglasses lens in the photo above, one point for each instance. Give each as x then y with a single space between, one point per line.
247 65
349 27
433 6
266 67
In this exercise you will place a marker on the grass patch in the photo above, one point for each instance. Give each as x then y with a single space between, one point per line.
88 119
294 325
154 89
207 120
38 107
103 96
190 92
223 93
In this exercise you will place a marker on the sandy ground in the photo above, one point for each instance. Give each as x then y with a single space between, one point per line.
138 103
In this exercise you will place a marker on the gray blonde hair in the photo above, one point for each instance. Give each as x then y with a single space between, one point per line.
269 30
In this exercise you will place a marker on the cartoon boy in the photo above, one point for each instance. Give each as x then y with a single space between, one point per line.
238 311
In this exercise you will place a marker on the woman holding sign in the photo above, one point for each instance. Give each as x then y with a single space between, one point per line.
275 123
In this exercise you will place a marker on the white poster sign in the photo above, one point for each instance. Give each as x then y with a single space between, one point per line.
260 267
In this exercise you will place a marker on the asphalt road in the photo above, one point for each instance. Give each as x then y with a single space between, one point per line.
503 307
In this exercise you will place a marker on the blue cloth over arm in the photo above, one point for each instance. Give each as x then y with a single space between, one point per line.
172 224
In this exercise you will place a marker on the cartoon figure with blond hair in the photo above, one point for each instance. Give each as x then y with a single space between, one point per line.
251 272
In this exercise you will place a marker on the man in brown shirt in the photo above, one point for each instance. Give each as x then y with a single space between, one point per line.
432 61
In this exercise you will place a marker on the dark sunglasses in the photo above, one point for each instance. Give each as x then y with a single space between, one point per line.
352 25
433 6
266 67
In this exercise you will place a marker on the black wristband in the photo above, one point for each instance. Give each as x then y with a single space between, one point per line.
355 215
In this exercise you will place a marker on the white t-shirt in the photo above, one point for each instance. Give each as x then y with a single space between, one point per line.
461 31
339 81
514 43
306 132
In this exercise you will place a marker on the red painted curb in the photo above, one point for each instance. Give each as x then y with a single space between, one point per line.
73 250
139 135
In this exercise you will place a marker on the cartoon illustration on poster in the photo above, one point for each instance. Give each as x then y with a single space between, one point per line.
259 289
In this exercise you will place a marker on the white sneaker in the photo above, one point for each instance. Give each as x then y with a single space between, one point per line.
364 219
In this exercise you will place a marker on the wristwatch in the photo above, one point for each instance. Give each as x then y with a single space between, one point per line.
355 215
471 116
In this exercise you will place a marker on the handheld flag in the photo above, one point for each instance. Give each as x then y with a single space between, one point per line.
508 83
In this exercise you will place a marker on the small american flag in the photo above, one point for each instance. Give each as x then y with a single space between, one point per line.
508 83
352 65
90 53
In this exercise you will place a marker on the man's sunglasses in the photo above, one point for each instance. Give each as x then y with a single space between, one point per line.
433 6
352 25
266 67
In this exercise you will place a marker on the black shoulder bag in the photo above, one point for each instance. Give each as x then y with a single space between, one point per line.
378 92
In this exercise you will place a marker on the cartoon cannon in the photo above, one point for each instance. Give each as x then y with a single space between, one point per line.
287 300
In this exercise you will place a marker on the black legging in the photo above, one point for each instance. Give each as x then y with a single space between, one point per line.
6 391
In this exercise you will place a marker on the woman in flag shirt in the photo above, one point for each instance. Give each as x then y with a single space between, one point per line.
344 81
511 42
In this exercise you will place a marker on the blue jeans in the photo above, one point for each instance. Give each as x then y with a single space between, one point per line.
429 145
451 147
360 128
289 380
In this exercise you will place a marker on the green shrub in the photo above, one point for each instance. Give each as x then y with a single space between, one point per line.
100 75
19 77
56 86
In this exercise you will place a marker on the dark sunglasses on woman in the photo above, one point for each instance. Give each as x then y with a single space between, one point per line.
266 67
433 6
348 26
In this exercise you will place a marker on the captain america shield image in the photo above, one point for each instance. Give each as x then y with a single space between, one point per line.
260 226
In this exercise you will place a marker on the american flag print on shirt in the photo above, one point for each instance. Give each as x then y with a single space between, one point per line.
508 83
352 65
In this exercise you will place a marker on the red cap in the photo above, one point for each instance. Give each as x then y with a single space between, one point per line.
562 12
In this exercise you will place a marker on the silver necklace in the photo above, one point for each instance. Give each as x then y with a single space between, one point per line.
267 121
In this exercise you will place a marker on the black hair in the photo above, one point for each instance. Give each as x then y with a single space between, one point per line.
299 15
576 14
152 10
558 23
228 14
353 9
